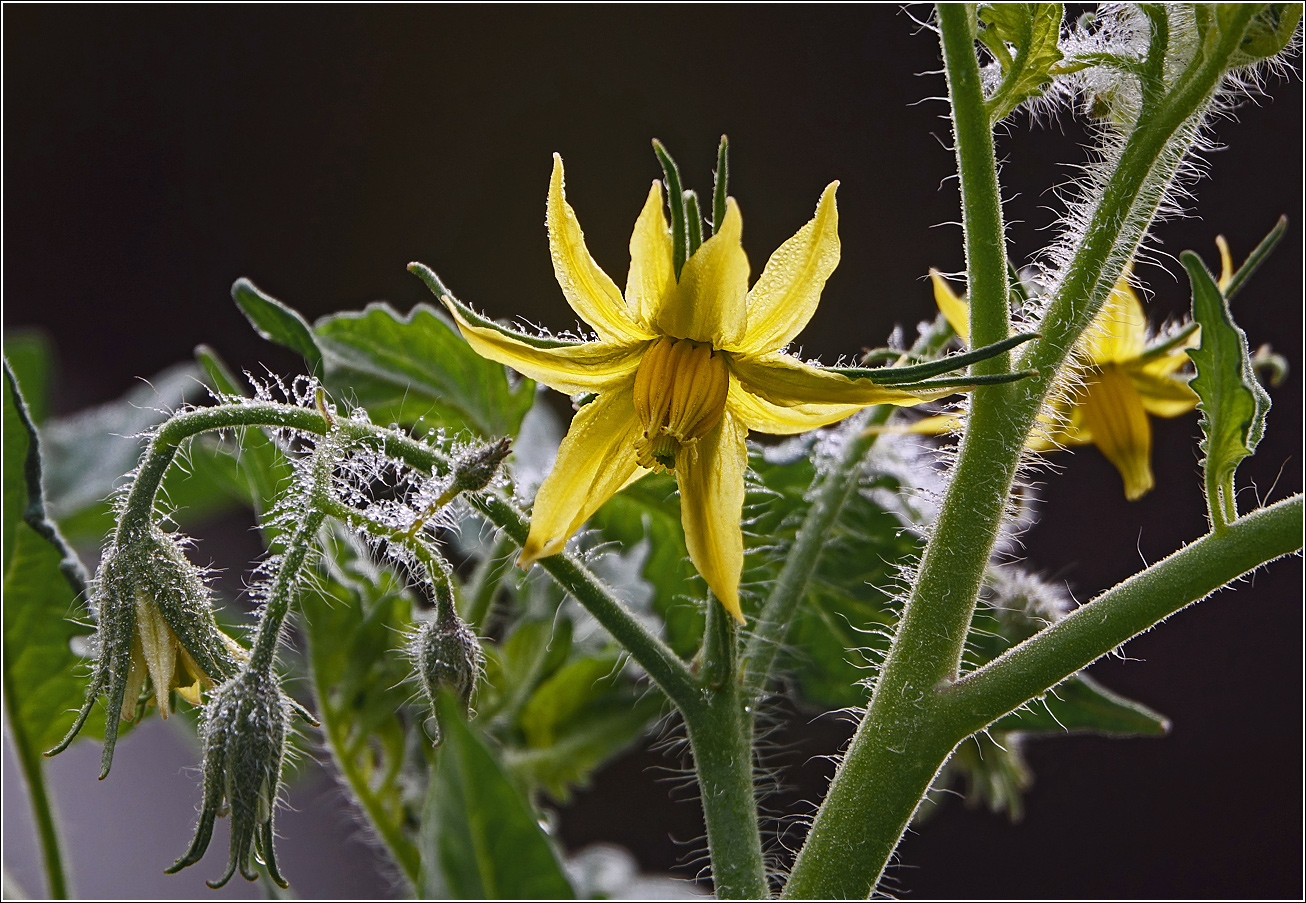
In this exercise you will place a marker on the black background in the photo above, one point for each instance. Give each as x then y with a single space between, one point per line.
152 156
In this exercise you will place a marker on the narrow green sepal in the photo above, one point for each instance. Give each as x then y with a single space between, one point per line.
892 376
720 178
676 199
427 275
1256 258
694 221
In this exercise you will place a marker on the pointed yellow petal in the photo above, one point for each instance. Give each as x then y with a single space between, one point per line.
954 310
1163 396
709 303
1119 331
761 415
787 381
652 274
938 425
586 367
711 508
158 648
587 288
596 459
1114 414
1226 263
787 292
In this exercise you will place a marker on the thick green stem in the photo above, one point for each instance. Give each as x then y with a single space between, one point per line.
901 742
1091 631
721 737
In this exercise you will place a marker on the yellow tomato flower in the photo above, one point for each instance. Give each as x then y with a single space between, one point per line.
1116 384
682 370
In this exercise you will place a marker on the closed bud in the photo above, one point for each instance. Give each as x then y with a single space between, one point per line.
476 467
448 657
244 736
155 632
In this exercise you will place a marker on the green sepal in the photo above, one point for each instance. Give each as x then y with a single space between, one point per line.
892 376
1232 401
428 276
676 200
480 838
694 223
277 322
720 185
1033 29
1256 258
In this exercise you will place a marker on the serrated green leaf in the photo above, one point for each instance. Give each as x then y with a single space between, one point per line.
1232 401
1033 30
417 368
1082 705
44 681
277 322
480 838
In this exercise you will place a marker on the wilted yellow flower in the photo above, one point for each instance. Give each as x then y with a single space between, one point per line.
682 370
158 654
1116 384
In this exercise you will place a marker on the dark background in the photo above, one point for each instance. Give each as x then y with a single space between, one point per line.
152 156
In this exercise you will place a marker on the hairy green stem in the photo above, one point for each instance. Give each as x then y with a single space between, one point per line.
1027 670
721 737
902 742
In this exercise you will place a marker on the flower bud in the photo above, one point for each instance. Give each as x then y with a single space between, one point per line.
476 467
155 630
448 657
244 736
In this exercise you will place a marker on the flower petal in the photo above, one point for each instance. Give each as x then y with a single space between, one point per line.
709 304
759 414
711 508
1113 412
1119 332
954 310
588 289
586 367
652 274
787 381
596 459
787 292
1163 396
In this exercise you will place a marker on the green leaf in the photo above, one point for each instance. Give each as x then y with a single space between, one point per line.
580 747
32 360
87 455
480 838
1032 29
44 681
277 322
417 368
1232 401
1082 705
353 620
533 651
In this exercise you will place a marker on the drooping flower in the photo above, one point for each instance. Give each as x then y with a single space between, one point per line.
1118 381
683 367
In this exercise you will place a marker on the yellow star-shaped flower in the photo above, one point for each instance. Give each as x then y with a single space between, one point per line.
1117 382
682 370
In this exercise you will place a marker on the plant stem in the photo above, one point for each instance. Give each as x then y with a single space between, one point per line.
1027 670
721 737
42 809
903 740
